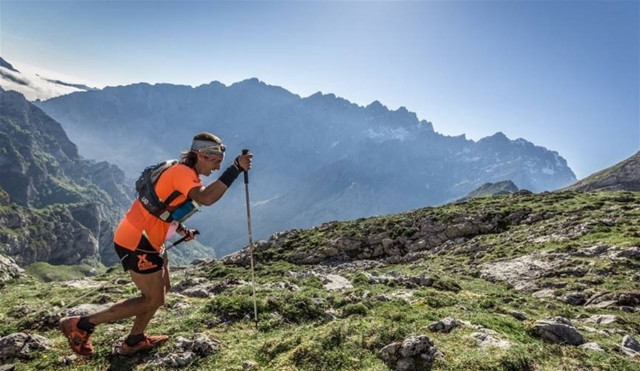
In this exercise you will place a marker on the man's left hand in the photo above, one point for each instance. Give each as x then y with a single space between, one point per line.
190 233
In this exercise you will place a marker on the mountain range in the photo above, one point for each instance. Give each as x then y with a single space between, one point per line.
317 158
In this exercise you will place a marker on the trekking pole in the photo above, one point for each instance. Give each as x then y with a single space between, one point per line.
181 240
253 280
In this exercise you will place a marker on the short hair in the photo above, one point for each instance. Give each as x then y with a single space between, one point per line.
207 136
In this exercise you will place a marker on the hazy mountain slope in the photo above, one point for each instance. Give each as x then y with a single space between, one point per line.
624 175
60 208
492 189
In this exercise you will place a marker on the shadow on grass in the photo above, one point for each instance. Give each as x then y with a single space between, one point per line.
127 363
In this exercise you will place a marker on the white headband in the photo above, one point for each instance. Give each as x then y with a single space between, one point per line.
208 147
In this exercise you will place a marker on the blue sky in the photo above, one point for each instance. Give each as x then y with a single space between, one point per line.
564 75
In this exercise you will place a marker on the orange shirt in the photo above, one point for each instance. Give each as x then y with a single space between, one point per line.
139 221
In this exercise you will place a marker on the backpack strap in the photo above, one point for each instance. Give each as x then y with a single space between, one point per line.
172 197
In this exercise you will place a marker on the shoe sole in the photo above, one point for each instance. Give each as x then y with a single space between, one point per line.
117 349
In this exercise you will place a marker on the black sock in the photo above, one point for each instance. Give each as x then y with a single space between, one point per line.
132 340
85 325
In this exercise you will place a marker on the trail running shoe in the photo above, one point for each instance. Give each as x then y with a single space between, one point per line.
147 343
78 339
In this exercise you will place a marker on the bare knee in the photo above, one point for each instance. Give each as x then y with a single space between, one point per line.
154 301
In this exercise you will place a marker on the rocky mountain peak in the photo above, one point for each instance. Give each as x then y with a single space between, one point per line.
377 108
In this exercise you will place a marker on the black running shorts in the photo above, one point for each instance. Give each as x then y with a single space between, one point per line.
144 259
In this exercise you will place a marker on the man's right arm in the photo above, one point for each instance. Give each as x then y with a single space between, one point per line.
209 194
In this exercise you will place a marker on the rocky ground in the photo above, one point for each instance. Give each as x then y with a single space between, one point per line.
516 282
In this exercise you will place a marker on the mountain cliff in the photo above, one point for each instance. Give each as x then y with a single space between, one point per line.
56 206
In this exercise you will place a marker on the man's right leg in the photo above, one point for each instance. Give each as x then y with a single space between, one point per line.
152 287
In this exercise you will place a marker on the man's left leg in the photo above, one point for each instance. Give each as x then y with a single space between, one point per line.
142 320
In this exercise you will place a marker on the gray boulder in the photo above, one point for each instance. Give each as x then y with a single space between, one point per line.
200 344
630 346
186 351
558 330
175 360
444 325
411 354
21 345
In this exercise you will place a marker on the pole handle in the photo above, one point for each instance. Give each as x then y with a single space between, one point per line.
181 240
246 173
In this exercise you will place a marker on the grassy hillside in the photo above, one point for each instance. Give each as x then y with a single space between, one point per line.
532 257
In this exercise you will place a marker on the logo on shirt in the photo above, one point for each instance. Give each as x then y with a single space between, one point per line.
144 264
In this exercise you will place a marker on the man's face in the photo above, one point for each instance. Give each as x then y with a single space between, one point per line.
207 163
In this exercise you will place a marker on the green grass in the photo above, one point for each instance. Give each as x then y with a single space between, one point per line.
294 334
47 272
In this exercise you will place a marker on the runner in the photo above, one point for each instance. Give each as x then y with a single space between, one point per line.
154 217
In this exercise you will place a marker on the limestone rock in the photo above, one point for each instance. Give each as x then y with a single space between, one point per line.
630 346
175 360
202 288
9 269
197 292
200 344
592 346
490 341
85 309
517 315
608 299
558 330
521 271
334 282
575 298
21 345
412 354
445 325
288 286
602 319
186 351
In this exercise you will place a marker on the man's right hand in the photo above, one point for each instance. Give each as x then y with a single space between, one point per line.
244 161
